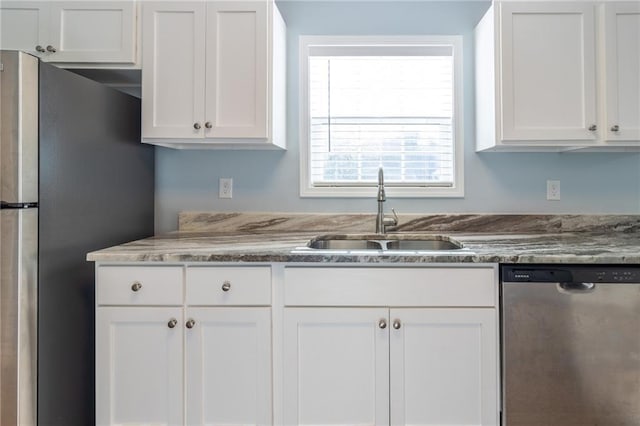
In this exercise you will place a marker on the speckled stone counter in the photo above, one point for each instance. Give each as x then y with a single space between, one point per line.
273 237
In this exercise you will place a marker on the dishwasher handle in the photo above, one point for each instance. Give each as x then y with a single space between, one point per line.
571 287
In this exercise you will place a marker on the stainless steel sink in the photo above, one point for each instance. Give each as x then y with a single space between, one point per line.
385 242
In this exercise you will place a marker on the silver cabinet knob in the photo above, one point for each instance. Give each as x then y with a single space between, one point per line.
397 324
208 125
382 323
226 286
191 323
196 126
615 128
136 286
172 323
593 128
40 49
51 49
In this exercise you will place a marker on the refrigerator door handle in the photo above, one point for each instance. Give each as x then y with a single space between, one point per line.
5 205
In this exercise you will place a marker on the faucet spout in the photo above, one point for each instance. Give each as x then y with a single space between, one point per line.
381 195
381 221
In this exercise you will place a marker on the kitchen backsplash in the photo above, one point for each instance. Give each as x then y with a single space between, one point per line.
325 222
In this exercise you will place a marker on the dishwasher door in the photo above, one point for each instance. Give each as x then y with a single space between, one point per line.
571 354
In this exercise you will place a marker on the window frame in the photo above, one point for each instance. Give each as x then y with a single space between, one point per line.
307 43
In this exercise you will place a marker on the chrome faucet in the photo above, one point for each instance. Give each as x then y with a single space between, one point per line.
381 221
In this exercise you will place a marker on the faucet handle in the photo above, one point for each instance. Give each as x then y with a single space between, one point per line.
391 221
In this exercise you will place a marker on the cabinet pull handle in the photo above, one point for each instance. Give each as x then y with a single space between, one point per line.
226 286
136 286
191 323
382 323
51 49
397 324
593 128
172 323
208 125
615 128
196 126
39 49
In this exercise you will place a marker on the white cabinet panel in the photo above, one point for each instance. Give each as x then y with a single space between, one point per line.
173 69
72 32
24 25
228 366
136 285
336 366
139 366
443 367
231 286
98 31
548 79
321 286
237 64
622 59
212 74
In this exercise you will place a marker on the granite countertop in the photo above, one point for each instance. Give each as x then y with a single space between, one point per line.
486 239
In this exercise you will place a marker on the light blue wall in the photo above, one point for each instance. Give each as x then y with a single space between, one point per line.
494 182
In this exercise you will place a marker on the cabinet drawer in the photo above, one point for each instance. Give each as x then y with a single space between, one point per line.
228 286
135 285
474 287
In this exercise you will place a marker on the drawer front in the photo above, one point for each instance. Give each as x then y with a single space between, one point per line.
224 286
473 287
139 285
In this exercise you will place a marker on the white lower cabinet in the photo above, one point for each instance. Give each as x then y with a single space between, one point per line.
228 366
205 361
139 361
336 366
398 365
443 366
339 345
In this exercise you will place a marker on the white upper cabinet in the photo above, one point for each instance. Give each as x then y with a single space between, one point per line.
86 33
173 69
219 82
622 61
548 71
24 25
540 68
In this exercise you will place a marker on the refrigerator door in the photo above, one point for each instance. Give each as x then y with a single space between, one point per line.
19 128
96 190
18 316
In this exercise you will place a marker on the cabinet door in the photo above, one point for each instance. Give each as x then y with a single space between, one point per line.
96 31
228 369
237 69
444 366
548 71
336 366
173 61
139 366
24 25
622 59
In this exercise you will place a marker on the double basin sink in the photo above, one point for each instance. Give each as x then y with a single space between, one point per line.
385 242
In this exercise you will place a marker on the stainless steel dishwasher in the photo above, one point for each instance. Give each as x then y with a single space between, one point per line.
570 345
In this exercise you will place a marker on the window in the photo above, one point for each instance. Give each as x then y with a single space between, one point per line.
391 102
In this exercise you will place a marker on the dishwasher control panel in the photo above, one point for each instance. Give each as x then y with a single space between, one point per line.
568 274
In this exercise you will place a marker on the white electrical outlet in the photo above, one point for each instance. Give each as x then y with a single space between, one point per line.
225 188
553 190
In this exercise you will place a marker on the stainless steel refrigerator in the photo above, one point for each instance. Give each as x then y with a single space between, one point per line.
74 177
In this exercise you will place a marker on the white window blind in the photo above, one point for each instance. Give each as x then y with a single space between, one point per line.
389 106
